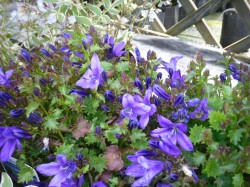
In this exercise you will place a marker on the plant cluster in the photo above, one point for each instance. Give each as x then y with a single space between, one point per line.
91 112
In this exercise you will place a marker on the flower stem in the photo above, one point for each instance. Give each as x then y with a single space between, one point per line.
61 136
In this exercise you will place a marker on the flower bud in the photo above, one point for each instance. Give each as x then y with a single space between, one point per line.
157 102
67 35
148 82
193 102
133 124
154 143
168 166
98 130
179 100
43 81
173 177
52 47
109 95
119 99
45 52
105 108
79 157
232 68
138 84
159 91
79 54
35 118
223 77
77 64
149 54
16 113
159 75
104 76
5 96
25 74
79 92
26 56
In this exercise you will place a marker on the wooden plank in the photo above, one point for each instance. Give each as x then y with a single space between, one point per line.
202 25
243 9
240 46
157 25
196 16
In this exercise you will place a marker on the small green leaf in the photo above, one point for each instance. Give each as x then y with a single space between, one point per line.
91 139
65 149
114 11
107 65
235 135
6 180
138 139
75 10
50 123
123 66
106 19
31 108
94 48
25 175
60 17
238 180
227 92
83 12
95 9
190 75
199 158
83 20
114 181
196 134
212 168
98 163
216 103
107 4
216 119
117 3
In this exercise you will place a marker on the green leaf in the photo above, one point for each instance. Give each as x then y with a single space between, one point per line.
212 168
91 139
50 123
6 180
138 139
25 175
196 134
107 4
107 65
216 119
227 92
31 108
60 17
97 163
123 66
190 75
114 11
94 48
65 149
114 181
105 19
216 103
83 12
229 167
95 9
238 180
247 167
235 135
117 3
83 20
75 10
199 158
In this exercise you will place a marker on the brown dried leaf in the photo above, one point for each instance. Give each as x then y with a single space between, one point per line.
113 157
106 175
81 128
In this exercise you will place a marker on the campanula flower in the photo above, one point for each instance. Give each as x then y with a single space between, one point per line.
201 111
177 80
45 52
99 184
171 134
138 84
148 82
172 66
144 118
181 115
179 100
223 77
159 75
26 56
146 153
79 54
5 77
52 47
139 59
132 109
16 113
9 139
117 50
67 35
145 169
162 184
109 95
133 124
106 108
193 102
5 96
35 118
160 92
79 92
62 170
157 101
92 77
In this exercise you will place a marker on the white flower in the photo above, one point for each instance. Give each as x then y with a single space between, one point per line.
187 171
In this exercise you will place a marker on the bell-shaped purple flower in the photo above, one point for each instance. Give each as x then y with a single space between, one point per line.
162 184
16 113
5 96
138 84
173 177
104 76
35 118
45 52
157 101
26 56
98 130
177 80
172 66
232 68
117 50
133 124
62 170
99 184
79 54
67 35
80 181
132 109
79 92
160 92
9 139
77 64
179 100
147 153
79 157
159 75
145 169
181 115
201 111
109 95
193 102
139 59
223 77
106 108
5 77
52 47
171 134
92 77
148 82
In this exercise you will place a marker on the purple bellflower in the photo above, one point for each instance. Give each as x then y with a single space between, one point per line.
144 119
35 118
5 77
160 92
223 77
87 41
148 82
79 92
201 111
26 56
16 113
181 115
109 95
117 50
62 170
162 184
171 134
45 52
179 99
177 80
99 184
193 102
93 76
138 84
147 153
52 47
139 59
171 67
9 139
132 109
145 169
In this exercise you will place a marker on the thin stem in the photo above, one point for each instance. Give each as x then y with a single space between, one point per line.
60 134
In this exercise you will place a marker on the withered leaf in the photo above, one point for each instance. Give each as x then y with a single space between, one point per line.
81 128
113 157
